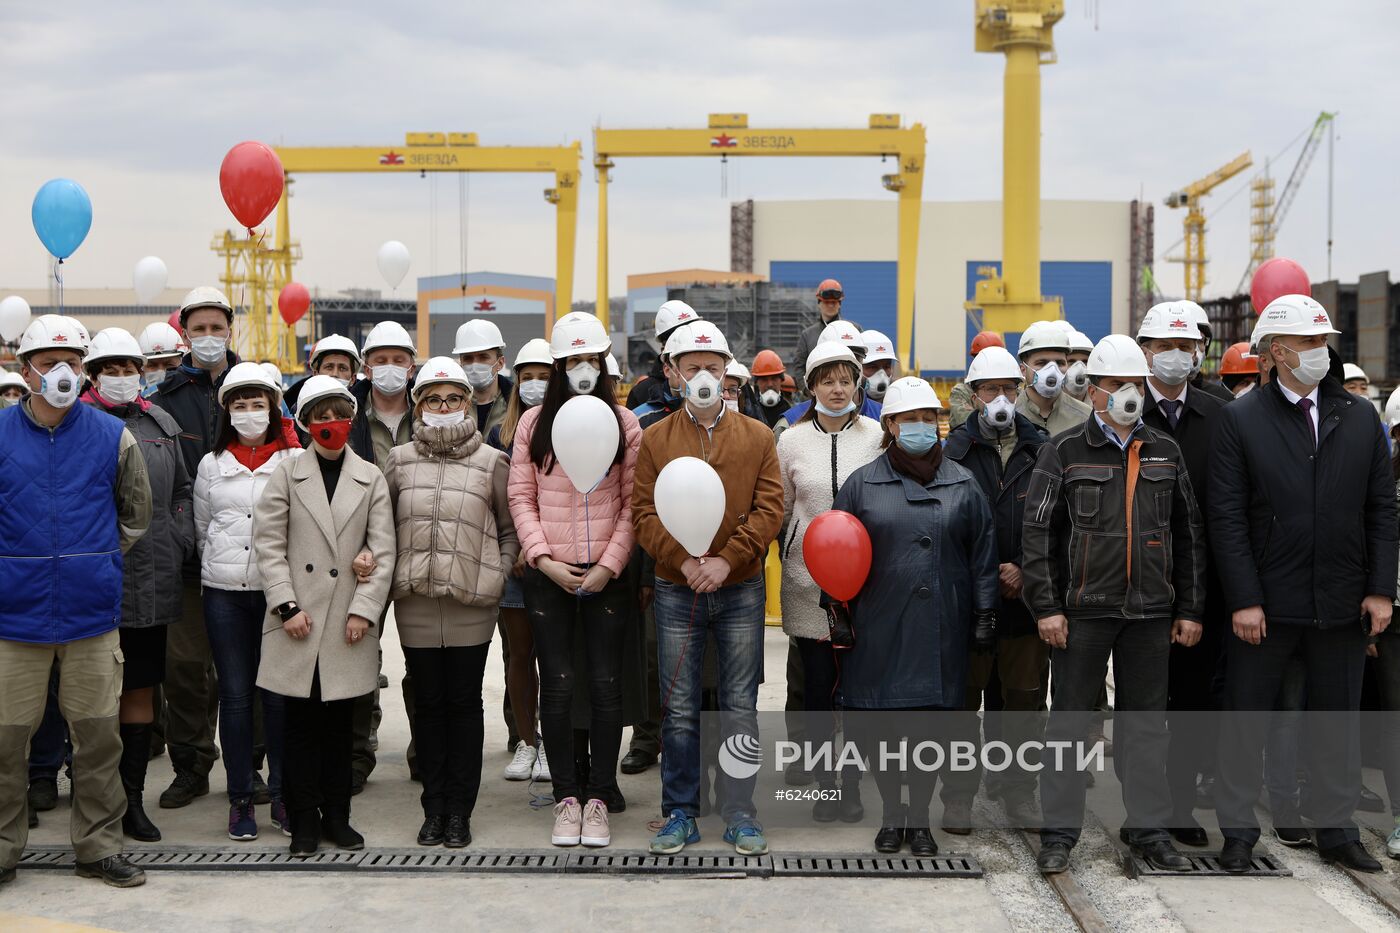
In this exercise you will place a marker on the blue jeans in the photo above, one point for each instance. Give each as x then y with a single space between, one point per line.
234 620
684 619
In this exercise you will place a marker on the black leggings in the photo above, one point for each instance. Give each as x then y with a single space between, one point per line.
888 727
316 754
449 728
555 617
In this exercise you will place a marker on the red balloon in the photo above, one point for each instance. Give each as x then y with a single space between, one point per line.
251 179
293 301
1274 278
174 321
836 549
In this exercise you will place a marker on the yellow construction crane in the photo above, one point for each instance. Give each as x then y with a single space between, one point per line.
729 136
1194 257
254 274
1021 29
1266 214
264 271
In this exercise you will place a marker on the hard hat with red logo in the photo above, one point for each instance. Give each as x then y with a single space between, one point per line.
317 388
113 343
673 314
846 334
205 296
577 333
1293 315
767 363
830 289
1238 361
160 340
439 370
987 338
1170 320
878 347
53 332
702 336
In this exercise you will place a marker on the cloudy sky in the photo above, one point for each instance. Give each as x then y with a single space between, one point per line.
139 100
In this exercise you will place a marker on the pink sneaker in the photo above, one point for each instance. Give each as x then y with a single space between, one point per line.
568 822
595 824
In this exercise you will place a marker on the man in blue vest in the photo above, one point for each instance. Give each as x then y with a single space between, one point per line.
73 498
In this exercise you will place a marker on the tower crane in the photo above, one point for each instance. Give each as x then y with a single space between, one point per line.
1194 257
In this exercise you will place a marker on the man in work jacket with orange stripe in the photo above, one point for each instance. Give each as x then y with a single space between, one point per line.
1114 562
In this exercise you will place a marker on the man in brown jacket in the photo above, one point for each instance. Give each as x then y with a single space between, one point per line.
721 592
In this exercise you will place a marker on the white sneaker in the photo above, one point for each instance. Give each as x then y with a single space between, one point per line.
568 822
1392 845
595 824
540 770
522 764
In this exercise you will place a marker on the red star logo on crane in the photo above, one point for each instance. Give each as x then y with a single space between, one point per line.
485 304
723 141
391 158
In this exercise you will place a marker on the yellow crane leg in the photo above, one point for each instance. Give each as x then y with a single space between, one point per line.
565 238
1020 197
773 579
911 203
602 302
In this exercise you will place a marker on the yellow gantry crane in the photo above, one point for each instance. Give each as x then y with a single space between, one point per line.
263 271
1193 259
1022 30
729 136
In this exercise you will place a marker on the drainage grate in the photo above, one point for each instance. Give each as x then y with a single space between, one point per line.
1207 864
940 866
624 863
413 860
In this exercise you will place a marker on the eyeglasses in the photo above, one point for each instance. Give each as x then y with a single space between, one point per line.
989 393
438 403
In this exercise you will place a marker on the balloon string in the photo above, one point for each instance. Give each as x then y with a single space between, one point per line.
58 278
685 646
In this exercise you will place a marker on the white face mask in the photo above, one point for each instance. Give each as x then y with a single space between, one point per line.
999 414
250 425
156 376
479 375
1197 358
1124 406
703 390
446 419
1048 380
583 377
1312 367
732 404
1174 366
876 385
532 392
209 350
60 386
388 379
1077 379
344 382
120 389
770 397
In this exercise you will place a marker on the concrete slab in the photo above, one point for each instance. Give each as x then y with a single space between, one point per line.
1276 904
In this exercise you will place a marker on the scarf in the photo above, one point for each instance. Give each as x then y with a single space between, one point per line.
920 469
254 457
457 441
93 397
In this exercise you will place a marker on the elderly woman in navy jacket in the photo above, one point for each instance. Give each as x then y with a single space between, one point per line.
932 592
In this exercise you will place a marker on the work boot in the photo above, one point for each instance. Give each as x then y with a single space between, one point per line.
188 783
114 870
261 795
136 753
306 832
43 793
957 817
335 828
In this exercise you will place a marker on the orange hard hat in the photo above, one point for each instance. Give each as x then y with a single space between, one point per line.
788 384
987 338
1238 361
767 363
830 288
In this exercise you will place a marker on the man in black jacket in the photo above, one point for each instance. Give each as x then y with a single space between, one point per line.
1114 562
1169 337
1303 525
1000 447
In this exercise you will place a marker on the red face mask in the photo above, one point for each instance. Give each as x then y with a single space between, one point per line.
331 435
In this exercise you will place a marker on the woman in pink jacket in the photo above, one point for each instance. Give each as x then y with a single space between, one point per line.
575 552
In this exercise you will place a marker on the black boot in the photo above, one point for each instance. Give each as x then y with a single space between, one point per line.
306 831
335 828
136 752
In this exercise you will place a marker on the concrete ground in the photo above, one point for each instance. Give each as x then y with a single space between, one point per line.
1011 896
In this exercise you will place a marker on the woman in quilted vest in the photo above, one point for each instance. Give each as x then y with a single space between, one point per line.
576 551
456 543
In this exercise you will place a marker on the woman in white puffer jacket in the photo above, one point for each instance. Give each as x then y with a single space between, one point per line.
826 445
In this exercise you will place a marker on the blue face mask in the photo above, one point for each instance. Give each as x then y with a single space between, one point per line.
831 413
917 437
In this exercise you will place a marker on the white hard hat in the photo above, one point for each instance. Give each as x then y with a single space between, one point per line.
702 335
53 332
739 371
576 333
205 296
475 336
878 347
113 343
1120 356
1293 316
243 375
533 351
614 370
440 369
335 343
909 393
993 363
830 352
1170 320
1044 335
317 388
845 334
1350 371
1392 408
389 334
160 340
1202 319
673 314
272 371
15 380
1079 342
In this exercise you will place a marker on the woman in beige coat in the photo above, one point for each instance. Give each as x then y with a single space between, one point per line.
320 643
456 542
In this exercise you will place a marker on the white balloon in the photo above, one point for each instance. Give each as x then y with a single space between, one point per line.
149 278
14 317
393 262
585 440
689 497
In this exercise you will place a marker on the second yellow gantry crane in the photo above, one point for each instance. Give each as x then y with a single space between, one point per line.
1193 259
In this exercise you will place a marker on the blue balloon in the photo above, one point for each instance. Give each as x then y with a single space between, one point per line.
62 216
